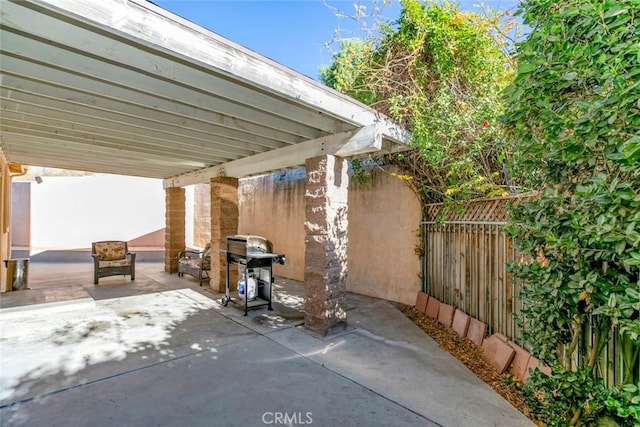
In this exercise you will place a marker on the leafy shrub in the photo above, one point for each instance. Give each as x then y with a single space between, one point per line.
440 72
574 125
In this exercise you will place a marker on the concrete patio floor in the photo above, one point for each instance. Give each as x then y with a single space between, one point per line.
163 351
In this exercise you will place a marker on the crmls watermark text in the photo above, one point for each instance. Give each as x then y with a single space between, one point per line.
286 418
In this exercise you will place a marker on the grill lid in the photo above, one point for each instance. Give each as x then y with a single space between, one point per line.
241 244
244 245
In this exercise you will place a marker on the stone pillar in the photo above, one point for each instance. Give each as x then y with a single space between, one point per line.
325 297
224 222
174 235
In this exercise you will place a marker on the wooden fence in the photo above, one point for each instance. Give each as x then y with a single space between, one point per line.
464 265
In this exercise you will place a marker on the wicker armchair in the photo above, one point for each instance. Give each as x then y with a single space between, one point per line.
195 263
112 258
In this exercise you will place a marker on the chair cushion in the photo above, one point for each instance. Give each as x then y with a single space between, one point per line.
114 263
191 262
110 251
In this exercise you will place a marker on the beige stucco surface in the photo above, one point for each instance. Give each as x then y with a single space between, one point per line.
70 212
202 215
384 217
275 209
21 214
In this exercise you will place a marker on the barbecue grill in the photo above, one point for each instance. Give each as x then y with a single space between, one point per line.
254 257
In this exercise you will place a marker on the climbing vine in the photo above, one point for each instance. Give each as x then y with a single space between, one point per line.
439 71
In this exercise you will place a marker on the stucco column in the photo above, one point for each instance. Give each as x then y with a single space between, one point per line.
174 235
224 222
325 297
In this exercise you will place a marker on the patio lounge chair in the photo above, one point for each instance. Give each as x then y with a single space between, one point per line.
111 258
195 263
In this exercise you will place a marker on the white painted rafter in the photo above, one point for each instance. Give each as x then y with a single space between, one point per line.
345 144
125 87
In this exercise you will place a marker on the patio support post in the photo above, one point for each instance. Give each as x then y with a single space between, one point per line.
224 222
326 192
174 236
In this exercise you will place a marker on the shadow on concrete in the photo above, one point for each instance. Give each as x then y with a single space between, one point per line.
162 350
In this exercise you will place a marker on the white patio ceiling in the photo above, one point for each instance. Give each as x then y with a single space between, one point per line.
125 87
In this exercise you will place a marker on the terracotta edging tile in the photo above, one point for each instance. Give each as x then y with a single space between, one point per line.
460 322
520 362
497 352
534 364
433 306
445 314
421 302
477 330
501 337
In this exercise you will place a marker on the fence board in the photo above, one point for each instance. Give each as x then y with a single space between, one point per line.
465 266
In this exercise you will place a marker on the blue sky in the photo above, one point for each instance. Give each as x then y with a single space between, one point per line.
295 33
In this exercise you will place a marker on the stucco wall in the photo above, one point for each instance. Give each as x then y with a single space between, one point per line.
274 208
73 211
21 214
201 215
384 217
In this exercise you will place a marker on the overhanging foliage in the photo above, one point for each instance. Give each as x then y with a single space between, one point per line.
574 118
439 71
